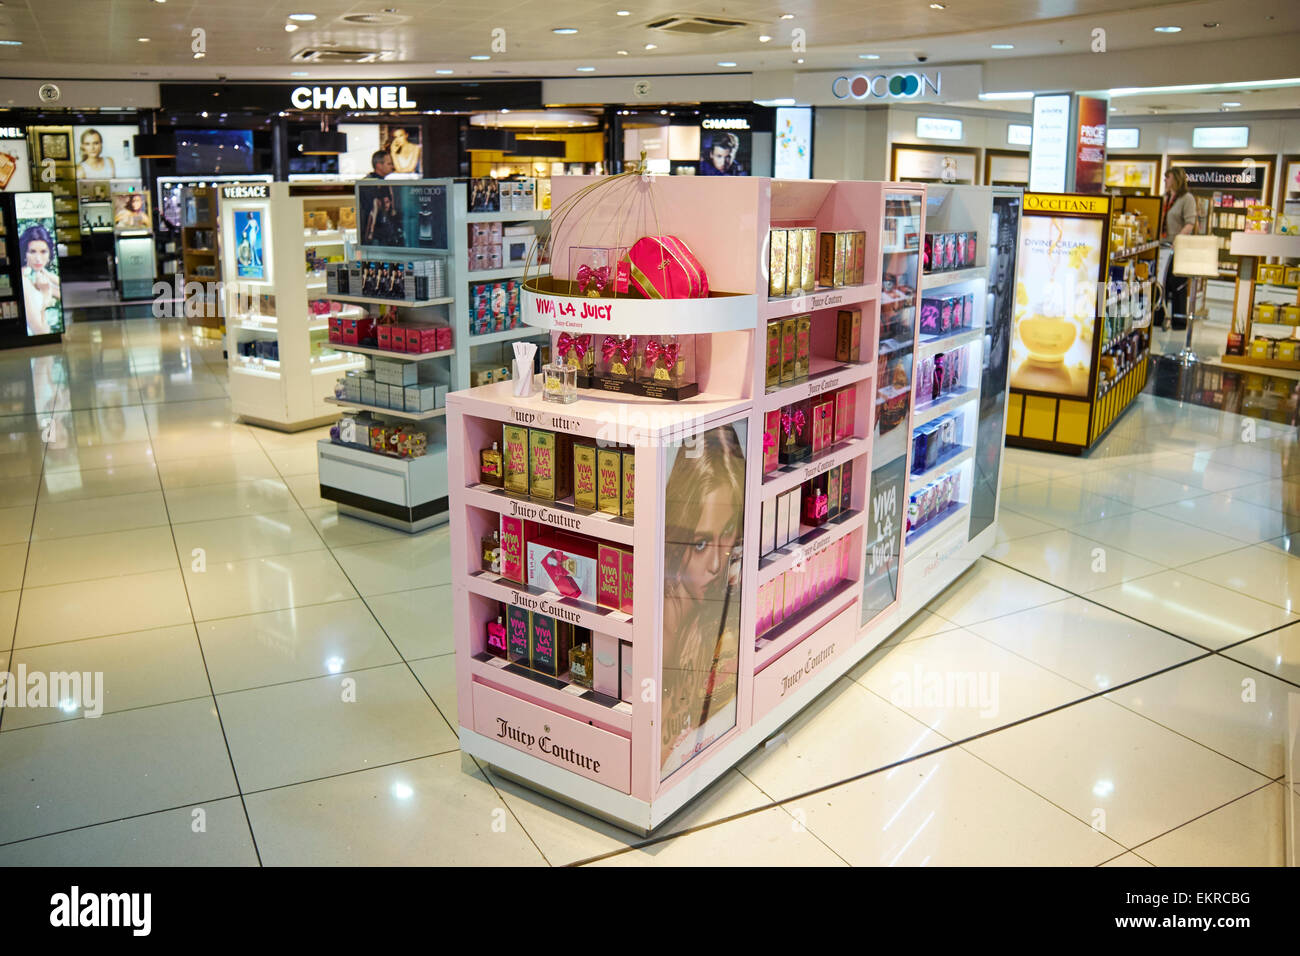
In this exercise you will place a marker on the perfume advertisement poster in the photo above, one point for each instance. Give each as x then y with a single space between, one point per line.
403 144
105 152
725 152
38 259
883 537
1057 269
250 262
399 216
997 347
131 212
15 168
704 508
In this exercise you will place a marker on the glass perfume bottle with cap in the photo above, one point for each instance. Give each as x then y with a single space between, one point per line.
492 552
581 664
490 468
559 383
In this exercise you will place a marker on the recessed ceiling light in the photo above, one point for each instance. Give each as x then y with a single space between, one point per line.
444 72
726 63
1004 46
299 73
868 56
1210 25
1169 29
142 39
199 56
938 6
651 46
800 60
263 49
765 39
290 27
622 52
11 42
564 31
787 16
586 69
302 17
480 56
623 13
1231 104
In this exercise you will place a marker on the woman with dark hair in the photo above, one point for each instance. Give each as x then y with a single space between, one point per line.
705 526
41 290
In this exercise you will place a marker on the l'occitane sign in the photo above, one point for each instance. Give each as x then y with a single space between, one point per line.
1067 203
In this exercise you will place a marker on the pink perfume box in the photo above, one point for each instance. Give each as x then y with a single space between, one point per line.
514 544
558 563
823 427
771 438
843 414
609 566
605 651
625 584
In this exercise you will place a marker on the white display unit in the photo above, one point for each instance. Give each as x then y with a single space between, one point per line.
269 302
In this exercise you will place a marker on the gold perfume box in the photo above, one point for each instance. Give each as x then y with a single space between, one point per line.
776 262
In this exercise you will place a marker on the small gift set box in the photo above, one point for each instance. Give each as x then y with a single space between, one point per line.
598 271
617 363
667 366
796 433
576 351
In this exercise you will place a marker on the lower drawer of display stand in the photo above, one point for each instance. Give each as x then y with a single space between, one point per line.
567 743
785 677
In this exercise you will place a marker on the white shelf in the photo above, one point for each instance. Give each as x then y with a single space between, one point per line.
946 403
509 272
320 368
937 280
518 215
395 412
260 371
946 343
390 354
376 300
1264 244
941 467
509 335
792 476
936 528
827 375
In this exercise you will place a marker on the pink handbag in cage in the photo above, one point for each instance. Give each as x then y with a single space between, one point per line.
663 267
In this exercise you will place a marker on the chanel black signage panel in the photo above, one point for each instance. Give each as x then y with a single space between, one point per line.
391 96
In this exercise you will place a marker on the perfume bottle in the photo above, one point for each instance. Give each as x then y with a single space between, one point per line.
496 637
425 219
581 664
492 552
490 469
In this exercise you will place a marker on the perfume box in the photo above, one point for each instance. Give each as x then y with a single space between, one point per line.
802 346
383 334
550 463
762 611
517 632
776 588
846 487
771 440
796 432
626 688
823 426
843 414
793 260
584 476
808 260
565 564
367 391
782 529
609 483
773 353
514 442
826 259
794 513
859 258
842 254
609 565
419 398
776 262
628 496
545 638
515 533
767 529
833 492
789 345
604 652
625 584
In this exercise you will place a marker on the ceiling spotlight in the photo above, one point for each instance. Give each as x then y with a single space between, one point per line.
199 56
586 69
765 39
142 39
1169 29
1211 25
1231 103
622 52
444 72
299 73
651 46
564 31
800 60
290 27
787 16
623 13
302 17
868 56
480 56
1004 46
938 6
726 63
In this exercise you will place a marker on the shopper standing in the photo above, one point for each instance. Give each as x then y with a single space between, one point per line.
381 164
1179 213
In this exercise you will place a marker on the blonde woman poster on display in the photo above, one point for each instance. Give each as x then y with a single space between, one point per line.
704 507
39 262
105 152
1057 271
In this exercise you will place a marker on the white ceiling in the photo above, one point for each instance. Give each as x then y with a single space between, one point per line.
245 39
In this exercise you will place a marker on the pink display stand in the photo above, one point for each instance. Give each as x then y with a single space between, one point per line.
695 535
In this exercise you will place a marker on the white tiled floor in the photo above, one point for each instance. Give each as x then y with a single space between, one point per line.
285 675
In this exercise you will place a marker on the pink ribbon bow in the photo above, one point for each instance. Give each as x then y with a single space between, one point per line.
598 277
769 441
624 347
577 344
654 351
792 423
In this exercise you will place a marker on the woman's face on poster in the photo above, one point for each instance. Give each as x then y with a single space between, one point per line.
92 145
38 254
709 550
399 136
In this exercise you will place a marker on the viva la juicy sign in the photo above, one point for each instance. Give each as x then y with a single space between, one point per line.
718 313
